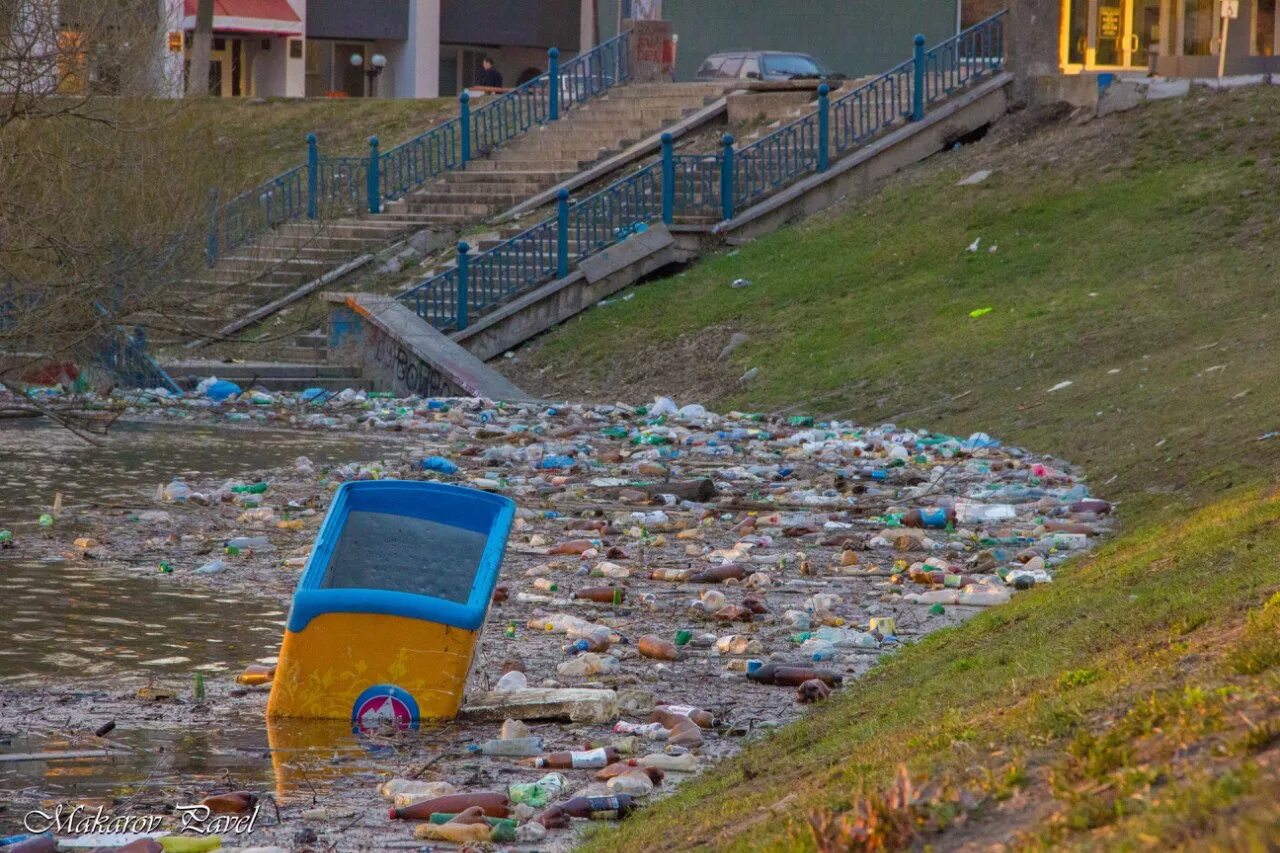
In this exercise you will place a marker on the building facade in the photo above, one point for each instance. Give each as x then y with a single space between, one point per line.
853 37
1170 38
327 48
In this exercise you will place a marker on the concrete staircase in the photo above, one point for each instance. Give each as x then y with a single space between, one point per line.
293 255
550 154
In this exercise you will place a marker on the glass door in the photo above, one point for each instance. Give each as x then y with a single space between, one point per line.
1112 33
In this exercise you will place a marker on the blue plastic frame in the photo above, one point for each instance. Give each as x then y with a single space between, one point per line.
456 506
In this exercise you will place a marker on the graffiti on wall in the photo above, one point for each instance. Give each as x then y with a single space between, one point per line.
408 373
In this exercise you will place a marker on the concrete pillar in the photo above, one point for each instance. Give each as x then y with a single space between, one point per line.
586 25
1032 41
415 63
295 74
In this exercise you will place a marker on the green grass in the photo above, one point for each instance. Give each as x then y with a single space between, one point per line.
1130 703
257 140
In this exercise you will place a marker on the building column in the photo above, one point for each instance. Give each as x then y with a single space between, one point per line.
415 63
295 67
586 25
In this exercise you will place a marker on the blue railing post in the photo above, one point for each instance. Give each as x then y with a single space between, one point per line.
463 248
824 127
464 104
726 178
313 175
917 104
562 233
553 80
668 180
211 248
374 189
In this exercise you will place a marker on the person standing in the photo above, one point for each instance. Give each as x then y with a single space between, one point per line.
489 77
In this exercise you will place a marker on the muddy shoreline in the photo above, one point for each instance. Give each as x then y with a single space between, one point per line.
813 509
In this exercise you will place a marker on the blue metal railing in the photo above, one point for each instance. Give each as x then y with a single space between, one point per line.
707 185
596 71
247 216
336 186
602 219
411 164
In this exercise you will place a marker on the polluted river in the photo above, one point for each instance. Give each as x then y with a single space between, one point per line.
676 583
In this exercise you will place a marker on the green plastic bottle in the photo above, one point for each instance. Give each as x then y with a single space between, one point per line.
252 489
46 520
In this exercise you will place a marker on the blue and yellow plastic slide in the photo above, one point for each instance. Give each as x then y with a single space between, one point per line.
386 617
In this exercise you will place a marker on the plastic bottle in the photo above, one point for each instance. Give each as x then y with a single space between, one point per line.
524 747
256 544
571 548
616 807
635 783
256 673
601 594
454 832
656 775
669 715
177 492
792 676
738 644
493 804
591 760
212 567
597 641
686 763
677 575
589 663
236 802
537 794
545 584
495 822
655 647
720 574
250 489
42 843
937 517
648 731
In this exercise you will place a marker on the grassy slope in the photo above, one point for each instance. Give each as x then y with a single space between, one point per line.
261 139
1133 702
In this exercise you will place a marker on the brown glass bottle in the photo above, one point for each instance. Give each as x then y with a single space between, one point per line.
495 804
601 594
793 676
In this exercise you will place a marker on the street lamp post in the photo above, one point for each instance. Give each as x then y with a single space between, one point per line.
372 69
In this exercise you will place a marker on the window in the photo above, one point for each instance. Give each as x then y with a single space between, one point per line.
711 67
731 66
785 66
750 68
1264 28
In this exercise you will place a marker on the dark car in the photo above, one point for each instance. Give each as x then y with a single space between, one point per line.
764 65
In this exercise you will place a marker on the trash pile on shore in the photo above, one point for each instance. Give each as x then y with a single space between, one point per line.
676 581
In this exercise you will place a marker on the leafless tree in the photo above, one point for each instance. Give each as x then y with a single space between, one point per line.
201 50
103 201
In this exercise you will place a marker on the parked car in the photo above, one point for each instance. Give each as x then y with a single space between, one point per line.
764 65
